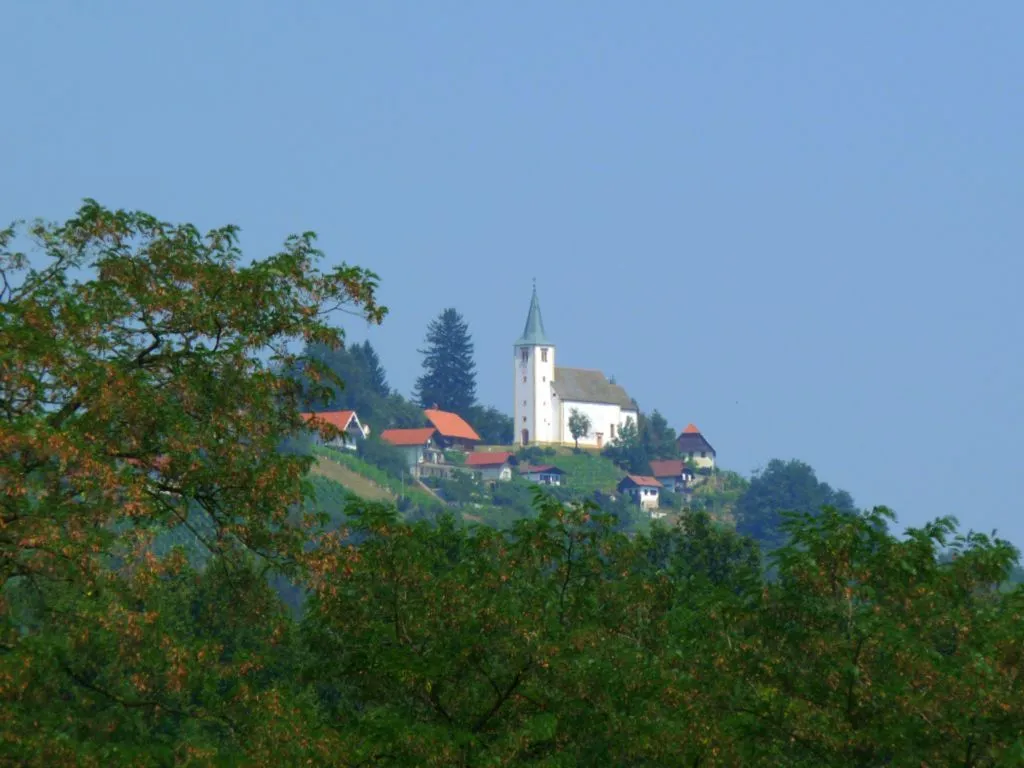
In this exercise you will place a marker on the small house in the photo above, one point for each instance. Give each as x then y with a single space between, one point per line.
642 489
490 466
417 445
452 430
673 474
346 422
694 447
546 474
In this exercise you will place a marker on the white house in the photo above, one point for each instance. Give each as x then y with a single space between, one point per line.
545 474
490 466
417 445
694 447
346 422
546 395
643 490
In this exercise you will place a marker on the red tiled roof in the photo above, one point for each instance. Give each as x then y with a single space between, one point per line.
668 467
338 419
691 429
451 425
407 436
643 481
526 469
487 459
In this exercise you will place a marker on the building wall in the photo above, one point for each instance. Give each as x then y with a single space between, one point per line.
413 454
533 405
493 473
647 498
602 417
706 461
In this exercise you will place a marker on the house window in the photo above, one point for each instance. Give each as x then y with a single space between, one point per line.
543 354
703 454
524 356
612 430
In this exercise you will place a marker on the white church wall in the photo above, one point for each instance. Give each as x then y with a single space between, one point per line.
602 416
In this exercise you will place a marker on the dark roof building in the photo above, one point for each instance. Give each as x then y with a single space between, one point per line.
693 444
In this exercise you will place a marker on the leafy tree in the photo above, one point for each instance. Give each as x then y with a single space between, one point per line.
784 486
449 372
383 455
493 426
627 449
579 425
658 437
139 396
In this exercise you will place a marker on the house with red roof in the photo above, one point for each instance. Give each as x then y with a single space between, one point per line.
487 465
419 446
642 489
452 430
346 422
673 474
695 447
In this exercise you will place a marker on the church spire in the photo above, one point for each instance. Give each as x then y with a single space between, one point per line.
533 333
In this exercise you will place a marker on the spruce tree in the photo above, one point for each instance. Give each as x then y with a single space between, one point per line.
376 378
449 372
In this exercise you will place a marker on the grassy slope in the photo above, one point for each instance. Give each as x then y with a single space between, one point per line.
348 478
586 472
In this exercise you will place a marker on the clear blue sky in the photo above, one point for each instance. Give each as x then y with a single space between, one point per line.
798 225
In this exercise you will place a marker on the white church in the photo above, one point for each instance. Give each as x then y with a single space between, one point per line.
546 394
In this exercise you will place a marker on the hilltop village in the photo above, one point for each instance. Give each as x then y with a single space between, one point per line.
558 412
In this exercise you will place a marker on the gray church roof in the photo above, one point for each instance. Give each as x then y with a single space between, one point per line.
533 333
585 386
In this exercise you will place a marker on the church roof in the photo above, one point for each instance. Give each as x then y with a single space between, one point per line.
586 386
533 333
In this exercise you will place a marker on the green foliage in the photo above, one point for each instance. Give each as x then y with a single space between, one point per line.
139 422
356 382
659 439
579 425
719 493
493 426
784 486
449 372
383 455
628 450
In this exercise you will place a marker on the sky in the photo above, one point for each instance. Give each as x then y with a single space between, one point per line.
797 225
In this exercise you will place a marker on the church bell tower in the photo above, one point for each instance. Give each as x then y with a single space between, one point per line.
534 367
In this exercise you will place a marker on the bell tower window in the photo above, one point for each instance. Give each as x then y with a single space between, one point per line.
524 355
543 354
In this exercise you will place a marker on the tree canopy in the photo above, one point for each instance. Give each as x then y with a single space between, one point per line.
784 486
173 592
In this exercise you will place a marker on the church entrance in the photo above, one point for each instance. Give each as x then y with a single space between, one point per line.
600 439
526 437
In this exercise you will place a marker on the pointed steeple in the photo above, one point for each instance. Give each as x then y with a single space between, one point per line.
533 333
